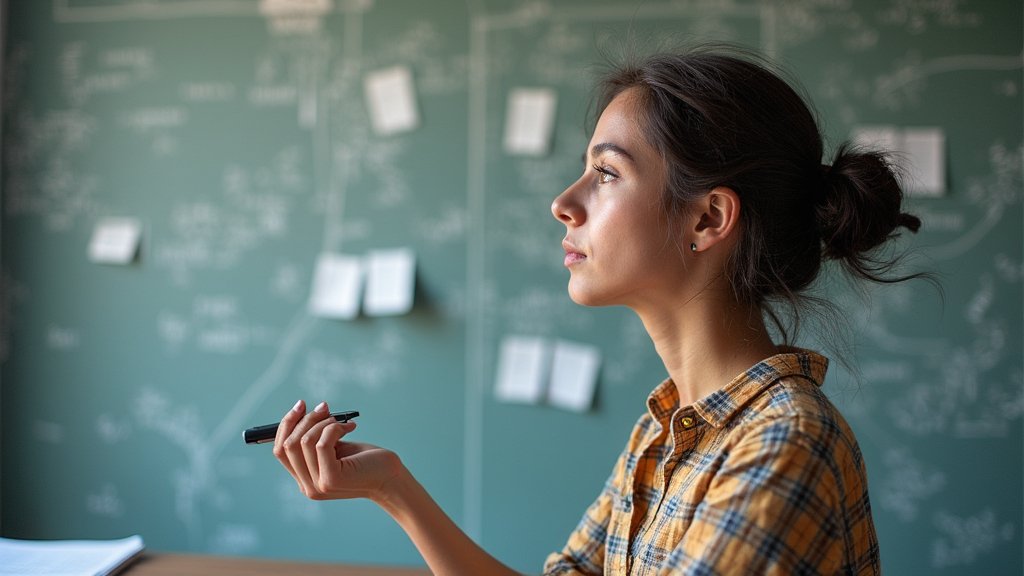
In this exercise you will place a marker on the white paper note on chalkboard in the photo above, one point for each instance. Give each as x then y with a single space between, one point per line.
523 369
529 121
115 241
390 282
391 99
926 155
573 376
336 286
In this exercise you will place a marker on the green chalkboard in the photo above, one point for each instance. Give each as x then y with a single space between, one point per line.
237 134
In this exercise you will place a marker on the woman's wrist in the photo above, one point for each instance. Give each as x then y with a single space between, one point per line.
396 494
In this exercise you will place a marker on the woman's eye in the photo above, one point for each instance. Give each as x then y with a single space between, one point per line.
605 175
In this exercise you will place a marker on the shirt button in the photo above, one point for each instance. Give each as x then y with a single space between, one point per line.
686 421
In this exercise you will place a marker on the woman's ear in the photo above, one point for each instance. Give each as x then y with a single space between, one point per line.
718 215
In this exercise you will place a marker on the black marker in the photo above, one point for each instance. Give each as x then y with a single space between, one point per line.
261 434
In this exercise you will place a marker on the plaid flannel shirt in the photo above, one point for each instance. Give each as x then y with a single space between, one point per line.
761 477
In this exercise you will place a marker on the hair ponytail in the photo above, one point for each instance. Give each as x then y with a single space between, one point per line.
859 210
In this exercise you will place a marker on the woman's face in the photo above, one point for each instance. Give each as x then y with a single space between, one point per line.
619 249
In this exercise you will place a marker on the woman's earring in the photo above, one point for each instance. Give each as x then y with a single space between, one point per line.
693 246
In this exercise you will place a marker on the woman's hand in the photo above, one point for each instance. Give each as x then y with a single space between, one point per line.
311 448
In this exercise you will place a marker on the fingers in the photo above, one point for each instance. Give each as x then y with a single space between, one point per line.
328 466
294 447
309 442
283 430
307 445
292 443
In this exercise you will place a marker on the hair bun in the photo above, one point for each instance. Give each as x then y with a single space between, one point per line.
860 206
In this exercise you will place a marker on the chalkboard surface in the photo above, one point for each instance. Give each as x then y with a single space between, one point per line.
236 133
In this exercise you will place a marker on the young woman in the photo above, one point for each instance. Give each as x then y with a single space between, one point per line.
703 201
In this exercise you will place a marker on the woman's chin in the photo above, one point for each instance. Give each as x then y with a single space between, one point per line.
584 297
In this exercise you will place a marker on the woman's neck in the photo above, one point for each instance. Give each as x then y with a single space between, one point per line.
706 342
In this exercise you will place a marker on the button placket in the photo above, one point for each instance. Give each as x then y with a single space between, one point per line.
684 434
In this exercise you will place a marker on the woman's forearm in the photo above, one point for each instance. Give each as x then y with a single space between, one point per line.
447 550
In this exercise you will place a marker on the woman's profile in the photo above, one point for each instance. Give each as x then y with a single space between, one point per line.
707 207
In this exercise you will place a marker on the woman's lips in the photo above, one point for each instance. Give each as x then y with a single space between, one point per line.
573 257
572 253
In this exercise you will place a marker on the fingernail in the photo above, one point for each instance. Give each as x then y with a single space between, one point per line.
321 407
297 407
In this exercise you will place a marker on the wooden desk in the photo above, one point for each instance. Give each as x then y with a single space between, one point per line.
167 564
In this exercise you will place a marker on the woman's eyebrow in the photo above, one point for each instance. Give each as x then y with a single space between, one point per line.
602 147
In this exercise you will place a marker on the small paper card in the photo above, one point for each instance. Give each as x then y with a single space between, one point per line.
336 286
529 121
573 376
522 369
115 241
392 100
926 153
390 282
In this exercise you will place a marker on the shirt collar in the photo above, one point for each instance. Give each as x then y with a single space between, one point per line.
719 407
663 401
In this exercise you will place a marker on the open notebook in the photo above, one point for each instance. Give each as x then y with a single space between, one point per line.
67 557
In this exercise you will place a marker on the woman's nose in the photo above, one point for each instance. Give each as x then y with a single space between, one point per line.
566 209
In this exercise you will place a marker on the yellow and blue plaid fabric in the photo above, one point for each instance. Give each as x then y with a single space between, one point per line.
762 477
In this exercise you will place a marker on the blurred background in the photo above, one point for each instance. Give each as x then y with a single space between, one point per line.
179 175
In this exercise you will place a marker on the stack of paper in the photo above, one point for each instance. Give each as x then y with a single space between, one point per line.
67 557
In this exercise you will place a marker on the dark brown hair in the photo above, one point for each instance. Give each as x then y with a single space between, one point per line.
722 117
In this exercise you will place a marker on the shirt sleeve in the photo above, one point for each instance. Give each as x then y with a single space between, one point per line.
771 509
